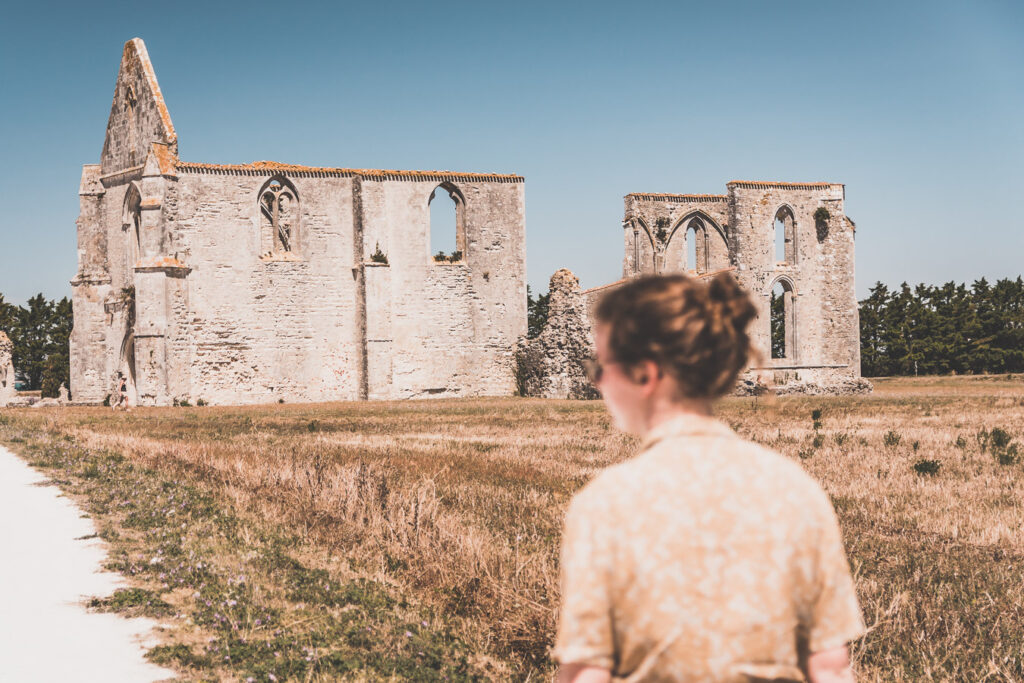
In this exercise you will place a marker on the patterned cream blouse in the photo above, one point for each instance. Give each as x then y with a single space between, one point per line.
704 558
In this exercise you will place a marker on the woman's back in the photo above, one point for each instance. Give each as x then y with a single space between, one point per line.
705 557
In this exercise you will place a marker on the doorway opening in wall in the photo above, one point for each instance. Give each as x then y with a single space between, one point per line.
445 216
782 320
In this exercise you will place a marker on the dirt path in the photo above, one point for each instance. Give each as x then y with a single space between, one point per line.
46 569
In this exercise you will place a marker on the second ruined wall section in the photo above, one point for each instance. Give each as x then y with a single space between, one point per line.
816 265
818 269
443 328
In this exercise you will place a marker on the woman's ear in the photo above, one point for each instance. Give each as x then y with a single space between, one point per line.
648 371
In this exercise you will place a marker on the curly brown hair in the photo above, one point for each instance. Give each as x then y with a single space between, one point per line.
695 330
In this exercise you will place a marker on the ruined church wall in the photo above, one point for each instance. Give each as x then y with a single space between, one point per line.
823 328
821 274
252 329
450 327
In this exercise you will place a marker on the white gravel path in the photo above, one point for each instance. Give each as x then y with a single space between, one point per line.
46 570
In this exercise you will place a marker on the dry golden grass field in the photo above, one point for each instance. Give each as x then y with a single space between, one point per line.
419 540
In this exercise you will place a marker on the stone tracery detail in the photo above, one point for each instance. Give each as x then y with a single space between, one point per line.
278 209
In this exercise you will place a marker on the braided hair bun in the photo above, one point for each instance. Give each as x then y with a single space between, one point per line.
694 329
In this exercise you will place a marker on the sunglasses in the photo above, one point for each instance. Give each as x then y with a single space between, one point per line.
595 369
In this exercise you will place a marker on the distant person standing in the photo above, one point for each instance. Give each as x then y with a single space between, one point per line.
705 557
122 392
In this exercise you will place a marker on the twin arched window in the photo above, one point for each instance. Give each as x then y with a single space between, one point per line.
279 217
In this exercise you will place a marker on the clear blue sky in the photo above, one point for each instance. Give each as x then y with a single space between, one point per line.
918 107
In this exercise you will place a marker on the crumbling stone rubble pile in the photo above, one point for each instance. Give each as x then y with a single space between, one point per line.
842 386
839 386
551 364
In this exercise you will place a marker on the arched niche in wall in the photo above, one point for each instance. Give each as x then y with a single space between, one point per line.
278 204
447 237
126 367
131 226
640 243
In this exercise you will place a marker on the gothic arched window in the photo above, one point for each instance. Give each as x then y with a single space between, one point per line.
785 236
447 224
279 217
782 307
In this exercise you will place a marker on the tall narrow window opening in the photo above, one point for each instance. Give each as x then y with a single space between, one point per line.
785 237
783 321
697 246
446 224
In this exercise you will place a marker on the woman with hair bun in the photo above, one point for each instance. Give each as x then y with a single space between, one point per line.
705 557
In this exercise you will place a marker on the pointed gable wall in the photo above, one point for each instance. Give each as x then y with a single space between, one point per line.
138 115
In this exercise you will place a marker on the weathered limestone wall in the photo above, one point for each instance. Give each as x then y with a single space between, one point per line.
251 328
452 326
91 288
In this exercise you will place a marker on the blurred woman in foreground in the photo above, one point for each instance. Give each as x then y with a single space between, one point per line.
705 557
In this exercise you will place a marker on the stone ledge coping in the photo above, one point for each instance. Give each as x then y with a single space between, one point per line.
159 263
90 279
680 198
274 167
769 184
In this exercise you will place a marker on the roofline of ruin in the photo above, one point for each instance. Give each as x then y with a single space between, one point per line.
769 184
269 168
666 197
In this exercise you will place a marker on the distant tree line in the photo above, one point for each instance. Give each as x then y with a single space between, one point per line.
40 331
946 329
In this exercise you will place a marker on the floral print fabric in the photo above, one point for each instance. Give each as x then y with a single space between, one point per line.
704 558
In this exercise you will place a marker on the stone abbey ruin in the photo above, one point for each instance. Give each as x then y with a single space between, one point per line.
264 282
793 239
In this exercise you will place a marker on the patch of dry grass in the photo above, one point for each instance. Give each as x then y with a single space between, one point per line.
450 512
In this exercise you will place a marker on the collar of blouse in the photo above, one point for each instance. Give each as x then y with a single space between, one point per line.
686 424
